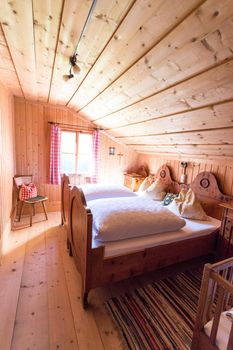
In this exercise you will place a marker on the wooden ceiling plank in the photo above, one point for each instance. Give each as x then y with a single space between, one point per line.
211 87
8 75
213 117
17 24
190 157
205 150
182 54
46 16
219 136
104 20
146 24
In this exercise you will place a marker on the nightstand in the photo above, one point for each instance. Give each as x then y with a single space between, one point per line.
225 243
133 181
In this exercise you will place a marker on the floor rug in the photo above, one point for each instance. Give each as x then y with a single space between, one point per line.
159 316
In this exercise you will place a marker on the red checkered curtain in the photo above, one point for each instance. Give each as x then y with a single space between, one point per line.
55 150
95 155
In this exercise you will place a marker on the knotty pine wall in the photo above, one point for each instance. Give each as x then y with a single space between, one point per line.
222 169
7 159
32 138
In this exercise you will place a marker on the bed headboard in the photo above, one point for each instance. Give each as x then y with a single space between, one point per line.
205 186
164 174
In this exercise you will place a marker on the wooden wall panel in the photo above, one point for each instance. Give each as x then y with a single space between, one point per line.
222 169
6 159
33 144
112 168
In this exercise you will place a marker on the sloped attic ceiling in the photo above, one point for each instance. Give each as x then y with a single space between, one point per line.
156 74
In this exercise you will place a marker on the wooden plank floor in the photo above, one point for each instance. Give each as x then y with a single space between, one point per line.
40 289
40 305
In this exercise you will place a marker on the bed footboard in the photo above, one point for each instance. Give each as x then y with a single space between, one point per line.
87 260
216 296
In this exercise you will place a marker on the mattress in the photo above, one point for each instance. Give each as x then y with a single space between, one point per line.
192 229
223 330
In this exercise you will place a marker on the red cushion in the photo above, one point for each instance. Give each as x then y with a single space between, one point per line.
27 191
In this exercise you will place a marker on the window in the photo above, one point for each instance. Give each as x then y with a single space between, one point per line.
85 154
76 152
68 152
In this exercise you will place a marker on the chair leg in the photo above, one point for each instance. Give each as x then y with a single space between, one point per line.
20 210
33 206
43 204
31 213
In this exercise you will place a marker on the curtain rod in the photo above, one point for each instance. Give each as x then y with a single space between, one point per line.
76 126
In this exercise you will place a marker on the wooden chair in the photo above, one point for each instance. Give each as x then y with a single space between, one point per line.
18 180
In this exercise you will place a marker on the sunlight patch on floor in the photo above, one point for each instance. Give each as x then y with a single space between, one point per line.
22 231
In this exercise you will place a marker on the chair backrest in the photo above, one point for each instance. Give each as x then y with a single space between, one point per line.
20 179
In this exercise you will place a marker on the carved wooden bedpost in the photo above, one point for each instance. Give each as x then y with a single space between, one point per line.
81 238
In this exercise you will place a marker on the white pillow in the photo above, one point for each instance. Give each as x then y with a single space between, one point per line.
144 185
176 205
155 191
191 208
188 206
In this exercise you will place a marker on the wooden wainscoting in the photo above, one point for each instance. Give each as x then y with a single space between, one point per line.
222 170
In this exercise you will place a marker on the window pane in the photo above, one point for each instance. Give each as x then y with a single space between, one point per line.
84 164
68 163
85 143
68 141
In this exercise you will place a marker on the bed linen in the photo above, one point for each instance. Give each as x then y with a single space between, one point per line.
97 191
122 218
192 229
223 330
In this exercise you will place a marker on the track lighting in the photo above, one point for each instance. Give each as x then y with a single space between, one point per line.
73 62
74 68
66 77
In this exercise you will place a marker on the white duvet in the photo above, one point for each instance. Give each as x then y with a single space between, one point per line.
122 218
96 191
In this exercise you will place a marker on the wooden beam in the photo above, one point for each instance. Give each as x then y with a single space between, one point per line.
219 136
217 116
186 149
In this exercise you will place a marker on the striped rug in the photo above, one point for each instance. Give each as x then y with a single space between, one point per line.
159 316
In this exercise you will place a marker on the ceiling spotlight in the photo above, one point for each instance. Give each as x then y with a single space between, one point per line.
69 76
73 62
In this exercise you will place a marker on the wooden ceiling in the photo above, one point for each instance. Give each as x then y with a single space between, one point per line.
156 74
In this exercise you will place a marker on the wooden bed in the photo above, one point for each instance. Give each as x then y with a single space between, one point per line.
216 296
97 270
